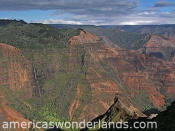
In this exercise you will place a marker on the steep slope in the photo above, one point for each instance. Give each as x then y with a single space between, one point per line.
75 75
7 114
84 46
127 36
164 120
119 111
123 39
16 74
139 79
15 77
145 78
35 70
14 68
160 47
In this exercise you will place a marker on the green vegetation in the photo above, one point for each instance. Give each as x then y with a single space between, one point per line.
57 70
34 36
53 87
54 80
123 39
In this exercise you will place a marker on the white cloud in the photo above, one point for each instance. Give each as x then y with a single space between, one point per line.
136 22
147 13
96 12
59 21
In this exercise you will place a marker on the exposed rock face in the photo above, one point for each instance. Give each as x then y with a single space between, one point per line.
120 112
8 114
83 37
12 116
141 80
158 42
14 69
15 74
160 47
146 77
76 102
164 121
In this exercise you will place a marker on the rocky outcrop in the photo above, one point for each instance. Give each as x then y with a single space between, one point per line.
120 112
160 47
11 115
82 38
7 114
141 80
158 42
87 76
164 121
15 75
15 70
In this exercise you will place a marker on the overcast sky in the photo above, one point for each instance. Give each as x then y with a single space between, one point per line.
95 12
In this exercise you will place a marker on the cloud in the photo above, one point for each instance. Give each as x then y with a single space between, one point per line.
69 5
164 4
82 11
59 21
98 12
136 22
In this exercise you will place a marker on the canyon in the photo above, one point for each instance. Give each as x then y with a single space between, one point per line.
75 75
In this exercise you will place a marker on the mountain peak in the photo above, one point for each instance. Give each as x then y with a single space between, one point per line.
83 38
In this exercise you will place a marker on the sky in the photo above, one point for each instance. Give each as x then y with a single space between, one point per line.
90 12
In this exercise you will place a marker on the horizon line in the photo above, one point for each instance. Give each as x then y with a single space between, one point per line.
18 20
